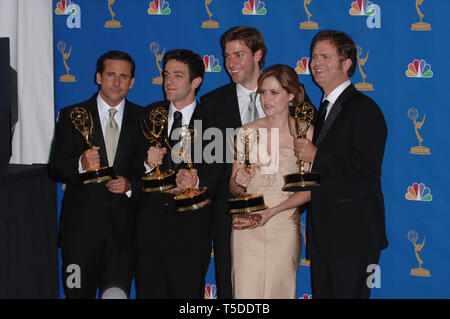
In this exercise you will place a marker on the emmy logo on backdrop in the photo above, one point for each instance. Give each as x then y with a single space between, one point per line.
154 47
362 86
413 115
156 181
66 77
420 26
82 121
112 23
308 25
210 24
413 237
193 198
304 262
302 180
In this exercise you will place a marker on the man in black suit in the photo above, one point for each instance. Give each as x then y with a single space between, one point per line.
346 221
230 107
174 248
97 218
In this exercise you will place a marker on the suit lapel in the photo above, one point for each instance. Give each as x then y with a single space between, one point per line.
232 106
334 112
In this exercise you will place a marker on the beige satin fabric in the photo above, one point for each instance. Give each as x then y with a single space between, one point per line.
265 259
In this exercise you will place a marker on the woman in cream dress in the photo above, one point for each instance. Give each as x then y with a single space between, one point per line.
265 258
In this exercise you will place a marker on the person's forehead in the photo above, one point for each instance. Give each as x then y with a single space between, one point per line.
236 45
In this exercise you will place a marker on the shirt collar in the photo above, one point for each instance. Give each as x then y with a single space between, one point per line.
187 111
241 90
333 96
104 107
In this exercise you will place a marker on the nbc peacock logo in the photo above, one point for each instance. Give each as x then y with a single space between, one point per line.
65 7
419 192
362 8
210 292
419 69
254 7
302 66
159 7
365 8
211 64
72 11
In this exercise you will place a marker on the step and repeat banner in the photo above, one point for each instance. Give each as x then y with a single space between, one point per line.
403 61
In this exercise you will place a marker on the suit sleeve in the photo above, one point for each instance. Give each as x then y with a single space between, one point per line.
360 157
64 154
209 173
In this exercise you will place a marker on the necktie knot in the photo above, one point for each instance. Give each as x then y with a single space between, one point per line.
252 98
252 111
177 116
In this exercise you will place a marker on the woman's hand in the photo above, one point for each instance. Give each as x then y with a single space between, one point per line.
264 216
245 221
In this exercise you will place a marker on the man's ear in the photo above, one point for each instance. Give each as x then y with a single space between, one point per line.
346 64
98 78
196 82
257 56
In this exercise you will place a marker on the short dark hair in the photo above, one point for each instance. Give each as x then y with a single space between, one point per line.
115 55
193 61
252 38
344 44
288 79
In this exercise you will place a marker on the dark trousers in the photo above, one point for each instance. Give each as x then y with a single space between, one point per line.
222 253
344 278
99 266
173 250
170 275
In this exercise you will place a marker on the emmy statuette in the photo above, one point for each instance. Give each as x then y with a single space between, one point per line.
302 180
193 198
246 203
157 181
82 120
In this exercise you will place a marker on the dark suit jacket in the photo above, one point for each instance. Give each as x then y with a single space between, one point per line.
221 110
347 214
158 222
89 212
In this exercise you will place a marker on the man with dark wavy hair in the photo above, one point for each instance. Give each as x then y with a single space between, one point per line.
346 219
232 106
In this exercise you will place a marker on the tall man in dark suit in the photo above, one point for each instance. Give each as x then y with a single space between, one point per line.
346 221
97 218
230 107
174 248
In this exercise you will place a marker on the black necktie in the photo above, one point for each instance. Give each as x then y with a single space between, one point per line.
177 117
321 117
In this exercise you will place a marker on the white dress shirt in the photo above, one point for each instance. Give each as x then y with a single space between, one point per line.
187 112
333 96
243 95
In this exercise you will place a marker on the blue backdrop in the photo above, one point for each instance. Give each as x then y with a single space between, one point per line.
403 55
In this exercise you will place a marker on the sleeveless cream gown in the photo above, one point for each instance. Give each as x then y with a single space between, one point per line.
265 259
